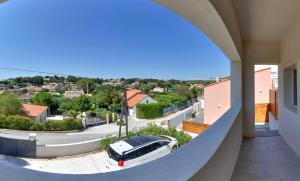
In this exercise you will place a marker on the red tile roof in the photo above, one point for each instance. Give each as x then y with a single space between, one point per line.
136 99
134 96
132 92
30 110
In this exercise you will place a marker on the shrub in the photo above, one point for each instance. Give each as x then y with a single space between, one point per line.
26 124
54 125
65 125
149 111
155 130
73 124
152 130
101 113
107 141
19 122
37 127
71 113
9 104
4 124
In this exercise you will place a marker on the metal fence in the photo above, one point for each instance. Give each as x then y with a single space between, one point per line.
178 107
93 121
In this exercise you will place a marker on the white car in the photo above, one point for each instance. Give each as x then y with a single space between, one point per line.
138 150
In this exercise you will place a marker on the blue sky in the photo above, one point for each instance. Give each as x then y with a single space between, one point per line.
104 38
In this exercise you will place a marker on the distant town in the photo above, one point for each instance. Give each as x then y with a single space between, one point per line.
59 96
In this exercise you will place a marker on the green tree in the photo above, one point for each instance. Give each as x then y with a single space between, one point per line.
82 103
9 104
107 97
87 85
148 87
59 89
45 99
65 105
184 91
72 79
195 92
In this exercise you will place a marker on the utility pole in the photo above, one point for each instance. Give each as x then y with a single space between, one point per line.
124 111
87 87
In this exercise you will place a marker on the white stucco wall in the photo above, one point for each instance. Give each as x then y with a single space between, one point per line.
51 151
41 117
146 100
289 121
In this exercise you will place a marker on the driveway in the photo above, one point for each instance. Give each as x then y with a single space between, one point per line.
81 164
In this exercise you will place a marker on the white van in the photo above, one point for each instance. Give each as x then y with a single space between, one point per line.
138 150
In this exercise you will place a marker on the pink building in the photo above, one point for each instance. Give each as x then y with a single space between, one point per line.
217 95
216 100
263 84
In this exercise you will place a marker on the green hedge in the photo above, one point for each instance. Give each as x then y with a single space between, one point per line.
149 111
26 124
152 130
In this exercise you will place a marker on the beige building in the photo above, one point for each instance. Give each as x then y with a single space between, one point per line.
159 89
73 94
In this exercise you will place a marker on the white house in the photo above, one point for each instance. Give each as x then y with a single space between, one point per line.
135 97
159 89
73 94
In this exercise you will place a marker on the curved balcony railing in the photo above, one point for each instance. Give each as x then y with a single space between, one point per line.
210 156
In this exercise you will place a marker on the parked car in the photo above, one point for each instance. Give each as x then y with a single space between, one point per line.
138 150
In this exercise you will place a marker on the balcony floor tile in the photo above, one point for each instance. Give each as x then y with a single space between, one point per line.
266 158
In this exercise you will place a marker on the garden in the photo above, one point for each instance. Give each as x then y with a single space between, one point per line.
26 124
151 130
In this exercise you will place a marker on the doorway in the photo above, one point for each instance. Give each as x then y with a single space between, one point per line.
266 96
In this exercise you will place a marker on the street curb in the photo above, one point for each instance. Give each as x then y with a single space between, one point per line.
71 131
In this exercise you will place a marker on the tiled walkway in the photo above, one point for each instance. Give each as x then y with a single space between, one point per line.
267 158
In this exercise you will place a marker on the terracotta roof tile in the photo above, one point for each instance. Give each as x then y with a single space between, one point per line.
135 99
30 110
132 92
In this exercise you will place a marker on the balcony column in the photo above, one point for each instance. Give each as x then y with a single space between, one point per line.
248 100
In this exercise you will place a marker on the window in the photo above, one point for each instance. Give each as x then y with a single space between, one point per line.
147 149
164 143
295 94
113 154
291 88
133 155
156 146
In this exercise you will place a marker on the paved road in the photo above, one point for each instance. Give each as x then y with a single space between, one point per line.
63 138
92 133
